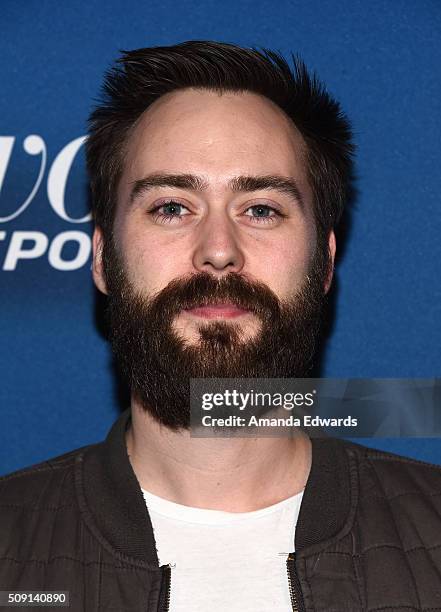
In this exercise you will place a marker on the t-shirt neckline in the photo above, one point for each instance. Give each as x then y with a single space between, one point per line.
180 512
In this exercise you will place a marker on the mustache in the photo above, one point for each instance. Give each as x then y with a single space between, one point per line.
203 289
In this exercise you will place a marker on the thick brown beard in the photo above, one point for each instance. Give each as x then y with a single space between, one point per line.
158 364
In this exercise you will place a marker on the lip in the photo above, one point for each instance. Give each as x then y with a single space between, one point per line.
218 311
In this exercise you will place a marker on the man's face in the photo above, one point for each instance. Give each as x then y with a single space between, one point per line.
243 250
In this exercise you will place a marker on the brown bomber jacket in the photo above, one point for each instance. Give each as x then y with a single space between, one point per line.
368 535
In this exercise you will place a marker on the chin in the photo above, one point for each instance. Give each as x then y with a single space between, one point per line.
194 332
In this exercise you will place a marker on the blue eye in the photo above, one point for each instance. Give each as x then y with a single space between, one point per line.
263 215
173 210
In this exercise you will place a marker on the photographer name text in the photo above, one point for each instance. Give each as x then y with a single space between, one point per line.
290 421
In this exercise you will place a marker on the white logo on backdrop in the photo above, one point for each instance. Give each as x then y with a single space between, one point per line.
29 245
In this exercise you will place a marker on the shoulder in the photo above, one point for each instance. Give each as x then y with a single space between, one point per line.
395 475
41 522
39 511
48 484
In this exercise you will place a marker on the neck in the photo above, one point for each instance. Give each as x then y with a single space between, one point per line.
229 474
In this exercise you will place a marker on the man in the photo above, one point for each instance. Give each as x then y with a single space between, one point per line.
218 177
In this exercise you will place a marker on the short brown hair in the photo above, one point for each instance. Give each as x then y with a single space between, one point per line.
141 76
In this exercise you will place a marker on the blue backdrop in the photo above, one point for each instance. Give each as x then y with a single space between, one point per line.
380 58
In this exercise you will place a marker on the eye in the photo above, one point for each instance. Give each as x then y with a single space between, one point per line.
171 210
263 213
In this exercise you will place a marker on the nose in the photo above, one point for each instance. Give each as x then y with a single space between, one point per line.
217 249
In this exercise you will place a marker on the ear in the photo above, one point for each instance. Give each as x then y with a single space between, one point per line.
97 263
332 248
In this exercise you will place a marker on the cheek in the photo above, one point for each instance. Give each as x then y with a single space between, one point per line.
283 265
152 261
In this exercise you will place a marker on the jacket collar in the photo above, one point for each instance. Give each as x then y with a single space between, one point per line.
113 500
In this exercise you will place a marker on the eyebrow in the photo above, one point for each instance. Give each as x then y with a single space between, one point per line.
282 184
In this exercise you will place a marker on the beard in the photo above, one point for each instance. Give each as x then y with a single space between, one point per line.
158 363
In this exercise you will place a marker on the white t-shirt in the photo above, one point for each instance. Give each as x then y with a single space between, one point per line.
225 561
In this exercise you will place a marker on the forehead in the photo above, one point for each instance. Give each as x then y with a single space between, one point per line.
214 135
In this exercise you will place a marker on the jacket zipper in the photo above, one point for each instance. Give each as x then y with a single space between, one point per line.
164 595
294 584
